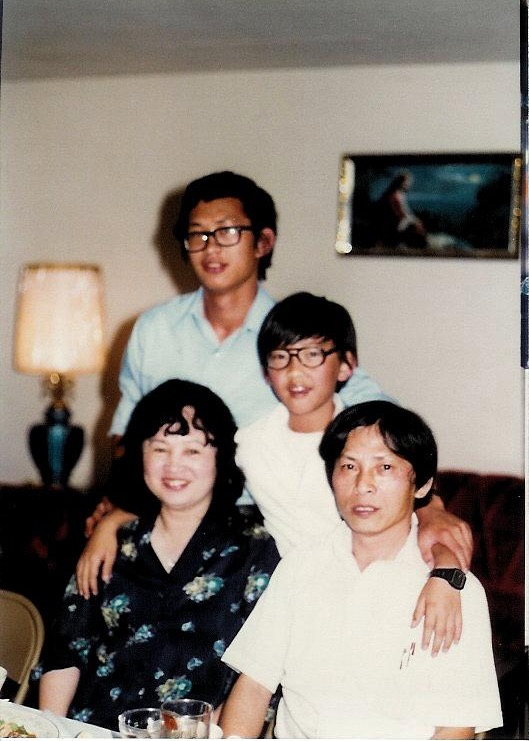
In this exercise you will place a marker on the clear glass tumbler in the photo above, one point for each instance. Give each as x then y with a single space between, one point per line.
186 718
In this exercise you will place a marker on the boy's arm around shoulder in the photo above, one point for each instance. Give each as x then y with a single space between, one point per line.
361 387
100 552
437 526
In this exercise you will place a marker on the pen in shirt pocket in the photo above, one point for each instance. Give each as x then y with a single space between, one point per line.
407 653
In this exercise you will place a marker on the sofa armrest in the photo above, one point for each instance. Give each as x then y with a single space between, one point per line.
493 506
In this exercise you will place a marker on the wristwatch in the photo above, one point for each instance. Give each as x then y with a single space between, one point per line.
455 577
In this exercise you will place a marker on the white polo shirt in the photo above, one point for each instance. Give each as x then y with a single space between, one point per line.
339 642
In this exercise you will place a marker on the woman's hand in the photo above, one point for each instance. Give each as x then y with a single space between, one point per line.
440 606
100 552
436 525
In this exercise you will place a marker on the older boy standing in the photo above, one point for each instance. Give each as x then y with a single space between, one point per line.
227 228
332 628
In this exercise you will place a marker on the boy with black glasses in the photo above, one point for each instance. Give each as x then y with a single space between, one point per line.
307 349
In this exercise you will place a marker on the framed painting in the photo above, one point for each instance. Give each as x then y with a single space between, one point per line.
430 205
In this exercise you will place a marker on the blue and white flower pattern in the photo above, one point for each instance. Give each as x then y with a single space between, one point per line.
143 634
83 715
203 587
150 636
106 662
174 689
229 549
81 646
113 609
129 550
71 588
256 583
219 647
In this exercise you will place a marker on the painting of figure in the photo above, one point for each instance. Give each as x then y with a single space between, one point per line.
465 205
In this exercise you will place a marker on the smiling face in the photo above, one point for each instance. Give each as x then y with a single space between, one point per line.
308 393
180 470
226 269
375 488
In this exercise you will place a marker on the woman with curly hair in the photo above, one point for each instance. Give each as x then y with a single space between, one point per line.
186 576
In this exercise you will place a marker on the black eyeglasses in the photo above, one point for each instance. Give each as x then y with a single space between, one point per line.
310 357
224 236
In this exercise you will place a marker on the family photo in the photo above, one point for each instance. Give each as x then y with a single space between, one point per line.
264 370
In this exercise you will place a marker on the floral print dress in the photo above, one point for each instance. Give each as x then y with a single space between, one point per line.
150 636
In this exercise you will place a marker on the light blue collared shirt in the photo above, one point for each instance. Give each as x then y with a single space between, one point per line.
175 340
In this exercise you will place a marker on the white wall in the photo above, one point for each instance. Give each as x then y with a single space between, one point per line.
87 164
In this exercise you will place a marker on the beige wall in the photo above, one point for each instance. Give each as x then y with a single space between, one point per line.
87 164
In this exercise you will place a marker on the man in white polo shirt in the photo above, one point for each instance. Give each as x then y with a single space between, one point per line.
333 627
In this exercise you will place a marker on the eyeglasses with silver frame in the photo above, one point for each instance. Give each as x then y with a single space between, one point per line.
224 236
310 357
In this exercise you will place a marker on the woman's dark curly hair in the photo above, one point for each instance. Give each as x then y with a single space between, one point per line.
162 408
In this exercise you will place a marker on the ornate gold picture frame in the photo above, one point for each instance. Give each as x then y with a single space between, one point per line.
430 205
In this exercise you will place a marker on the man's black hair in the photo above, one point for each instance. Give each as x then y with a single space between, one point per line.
403 431
258 205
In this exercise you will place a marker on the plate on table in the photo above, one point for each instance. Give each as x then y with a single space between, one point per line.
19 721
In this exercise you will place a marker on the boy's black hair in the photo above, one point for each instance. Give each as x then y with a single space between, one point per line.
403 431
258 205
162 407
302 316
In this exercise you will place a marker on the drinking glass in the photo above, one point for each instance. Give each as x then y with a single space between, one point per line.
186 718
141 723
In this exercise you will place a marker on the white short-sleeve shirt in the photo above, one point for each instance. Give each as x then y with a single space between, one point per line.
339 642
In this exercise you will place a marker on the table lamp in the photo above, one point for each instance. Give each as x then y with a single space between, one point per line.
58 335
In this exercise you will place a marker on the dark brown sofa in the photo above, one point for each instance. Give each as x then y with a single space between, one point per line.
493 505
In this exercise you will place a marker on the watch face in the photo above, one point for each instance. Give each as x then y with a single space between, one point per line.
455 577
458 579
